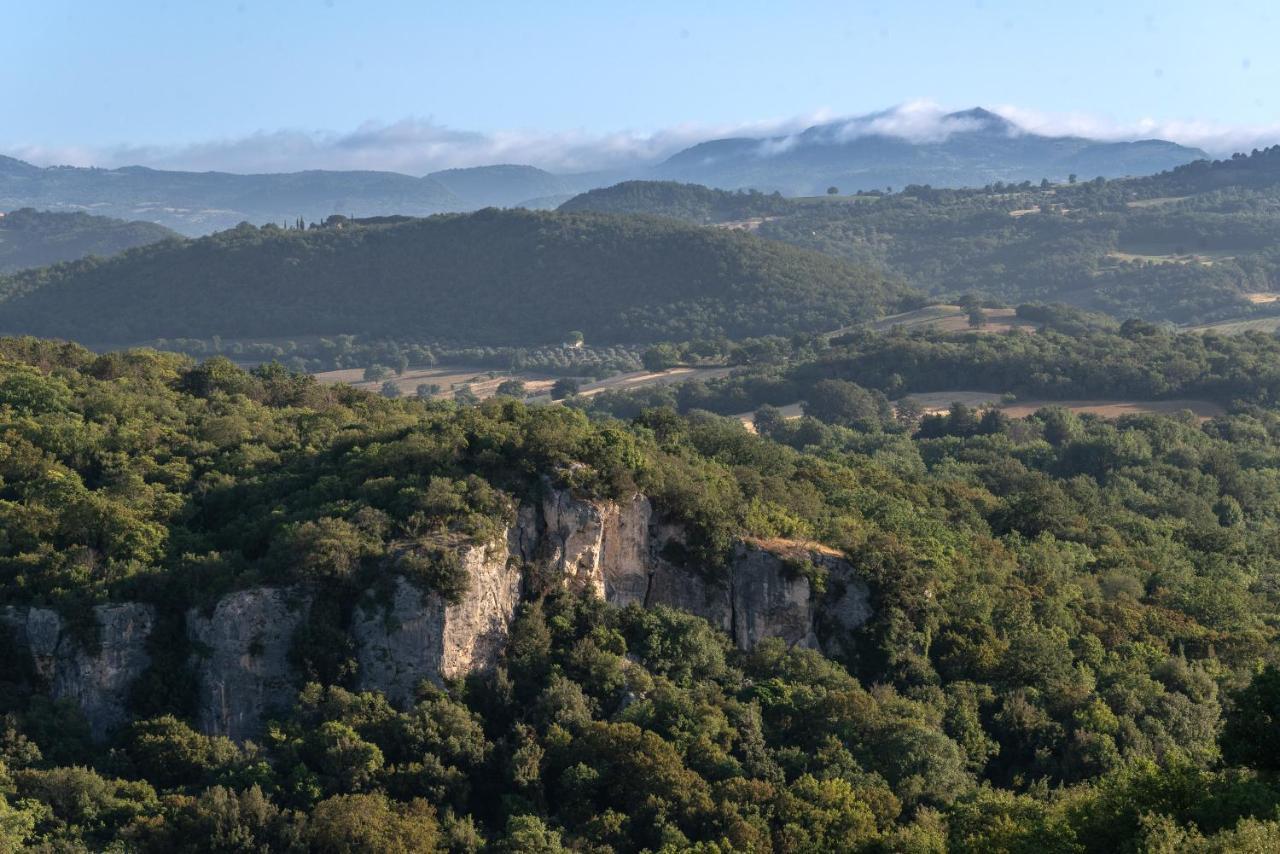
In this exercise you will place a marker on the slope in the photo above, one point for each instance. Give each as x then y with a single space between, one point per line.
497 277
31 238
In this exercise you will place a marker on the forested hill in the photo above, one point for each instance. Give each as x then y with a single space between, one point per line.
1255 170
1192 245
31 238
501 277
687 202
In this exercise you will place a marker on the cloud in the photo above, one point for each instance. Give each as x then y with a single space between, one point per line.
417 146
1220 140
412 146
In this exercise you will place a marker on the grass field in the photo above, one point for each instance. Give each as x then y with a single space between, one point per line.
938 402
1269 325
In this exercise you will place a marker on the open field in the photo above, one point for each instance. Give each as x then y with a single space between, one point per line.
484 382
938 402
1237 327
1151 203
952 318
1154 254
935 402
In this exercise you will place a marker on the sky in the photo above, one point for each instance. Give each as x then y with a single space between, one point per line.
270 85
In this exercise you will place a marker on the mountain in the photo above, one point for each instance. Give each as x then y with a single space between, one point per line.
200 202
509 185
31 238
493 277
970 148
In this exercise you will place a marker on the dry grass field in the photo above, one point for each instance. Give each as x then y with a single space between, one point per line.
484 382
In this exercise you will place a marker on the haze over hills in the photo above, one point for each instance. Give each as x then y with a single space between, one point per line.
30 238
971 148
493 277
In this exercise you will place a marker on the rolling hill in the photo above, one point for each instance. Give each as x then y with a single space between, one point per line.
31 238
495 277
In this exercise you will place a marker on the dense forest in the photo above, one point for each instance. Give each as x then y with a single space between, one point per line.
1188 245
490 278
1071 645
31 238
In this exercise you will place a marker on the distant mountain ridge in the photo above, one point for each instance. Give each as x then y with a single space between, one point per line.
968 148
972 148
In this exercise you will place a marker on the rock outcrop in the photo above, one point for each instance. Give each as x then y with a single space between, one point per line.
241 658
620 551
419 637
97 676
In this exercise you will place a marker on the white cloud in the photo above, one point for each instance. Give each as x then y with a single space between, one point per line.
1220 140
417 146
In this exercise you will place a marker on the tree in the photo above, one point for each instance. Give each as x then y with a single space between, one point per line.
390 389
574 338
464 395
1071 179
848 405
512 388
426 391
660 357
564 387
833 191
1251 735
373 373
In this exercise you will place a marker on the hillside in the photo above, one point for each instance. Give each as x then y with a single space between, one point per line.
968 149
508 185
1193 245
30 238
687 202
245 609
200 202
512 277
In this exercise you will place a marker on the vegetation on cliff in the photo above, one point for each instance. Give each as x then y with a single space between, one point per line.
1069 616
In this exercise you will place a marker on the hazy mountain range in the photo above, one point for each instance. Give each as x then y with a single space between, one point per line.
970 148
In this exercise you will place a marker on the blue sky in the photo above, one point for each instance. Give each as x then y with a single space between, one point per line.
214 82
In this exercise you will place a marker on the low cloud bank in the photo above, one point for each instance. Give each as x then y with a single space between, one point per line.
418 146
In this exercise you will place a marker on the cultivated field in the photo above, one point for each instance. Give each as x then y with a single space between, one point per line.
952 318
937 402
484 382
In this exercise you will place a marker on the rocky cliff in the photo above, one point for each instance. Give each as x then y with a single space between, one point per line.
241 658
95 672
802 593
419 637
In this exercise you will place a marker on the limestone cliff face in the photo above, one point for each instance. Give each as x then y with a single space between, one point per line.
616 550
98 676
241 658
419 637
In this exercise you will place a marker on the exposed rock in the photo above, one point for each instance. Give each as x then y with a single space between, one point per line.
97 679
421 637
573 541
770 600
626 560
241 659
